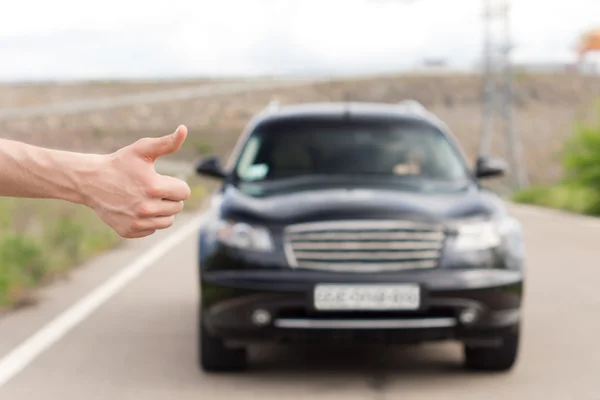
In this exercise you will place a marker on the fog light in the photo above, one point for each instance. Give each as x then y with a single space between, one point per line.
468 316
261 317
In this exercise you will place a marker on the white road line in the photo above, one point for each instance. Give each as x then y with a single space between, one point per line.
19 358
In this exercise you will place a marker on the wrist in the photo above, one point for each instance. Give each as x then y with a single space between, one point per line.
84 172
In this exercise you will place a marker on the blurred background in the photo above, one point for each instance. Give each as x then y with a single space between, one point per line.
520 83
68 53
514 79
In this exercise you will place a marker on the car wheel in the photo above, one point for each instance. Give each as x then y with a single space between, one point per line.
214 356
500 358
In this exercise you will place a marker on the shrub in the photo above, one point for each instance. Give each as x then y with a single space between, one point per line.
572 198
55 237
581 159
22 265
579 190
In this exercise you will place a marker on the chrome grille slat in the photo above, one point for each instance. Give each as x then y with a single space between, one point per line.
364 245
371 256
363 224
362 235
368 267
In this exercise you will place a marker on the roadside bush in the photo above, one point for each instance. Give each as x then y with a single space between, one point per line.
40 239
21 266
581 159
579 190
573 198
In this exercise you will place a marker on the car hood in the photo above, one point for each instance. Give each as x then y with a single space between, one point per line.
285 207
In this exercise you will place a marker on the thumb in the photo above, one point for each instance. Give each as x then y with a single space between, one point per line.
153 148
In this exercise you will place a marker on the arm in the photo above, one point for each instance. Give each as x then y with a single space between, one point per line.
35 172
122 188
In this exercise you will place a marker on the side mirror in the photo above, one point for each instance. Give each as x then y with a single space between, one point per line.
210 166
488 167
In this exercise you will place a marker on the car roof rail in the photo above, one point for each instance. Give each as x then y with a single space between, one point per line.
413 106
417 108
273 105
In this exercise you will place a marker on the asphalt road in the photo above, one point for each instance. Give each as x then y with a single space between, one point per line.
140 344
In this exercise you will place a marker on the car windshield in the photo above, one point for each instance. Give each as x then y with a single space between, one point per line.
403 149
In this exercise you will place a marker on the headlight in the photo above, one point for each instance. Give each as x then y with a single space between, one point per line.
482 235
244 236
496 242
479 235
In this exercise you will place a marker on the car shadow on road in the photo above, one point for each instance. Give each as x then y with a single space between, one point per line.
377 364
376 369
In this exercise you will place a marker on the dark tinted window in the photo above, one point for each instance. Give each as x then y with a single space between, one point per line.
285 149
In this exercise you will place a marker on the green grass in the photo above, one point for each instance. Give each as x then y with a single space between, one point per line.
579 190
198 194
198 145
40 239
577 199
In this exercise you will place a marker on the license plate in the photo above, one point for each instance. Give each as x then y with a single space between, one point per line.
367 297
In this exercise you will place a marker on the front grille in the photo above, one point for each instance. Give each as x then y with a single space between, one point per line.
364 245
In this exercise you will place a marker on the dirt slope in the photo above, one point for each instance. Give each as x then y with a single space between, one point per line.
546 108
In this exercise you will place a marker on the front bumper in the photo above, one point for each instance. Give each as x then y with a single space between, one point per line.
229 300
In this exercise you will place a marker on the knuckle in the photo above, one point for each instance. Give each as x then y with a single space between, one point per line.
122 230
184 191
143 210
152 189
164 222
168 222
181 190
141 143
145 141
175 208
135 225
165 141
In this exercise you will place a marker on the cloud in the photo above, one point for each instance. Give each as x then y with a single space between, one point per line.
67 39
86 54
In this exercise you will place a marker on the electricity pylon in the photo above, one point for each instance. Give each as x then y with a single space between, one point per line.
498 85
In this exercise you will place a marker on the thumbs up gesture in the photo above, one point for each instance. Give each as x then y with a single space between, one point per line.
129 195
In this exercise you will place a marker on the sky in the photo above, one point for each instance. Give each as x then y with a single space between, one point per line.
69 39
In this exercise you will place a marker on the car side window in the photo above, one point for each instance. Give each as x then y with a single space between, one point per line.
246 168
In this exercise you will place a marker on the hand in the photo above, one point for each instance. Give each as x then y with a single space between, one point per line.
127 193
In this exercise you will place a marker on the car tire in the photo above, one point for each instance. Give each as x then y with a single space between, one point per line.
500 358
214 356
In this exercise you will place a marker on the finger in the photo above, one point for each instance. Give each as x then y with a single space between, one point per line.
155 223
153 148
170 207
172 189
160 208
140 234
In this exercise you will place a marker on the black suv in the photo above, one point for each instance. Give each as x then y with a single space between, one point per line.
359 222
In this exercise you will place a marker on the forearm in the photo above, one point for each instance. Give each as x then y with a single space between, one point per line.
34 172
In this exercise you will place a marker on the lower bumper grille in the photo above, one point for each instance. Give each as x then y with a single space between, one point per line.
425 323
